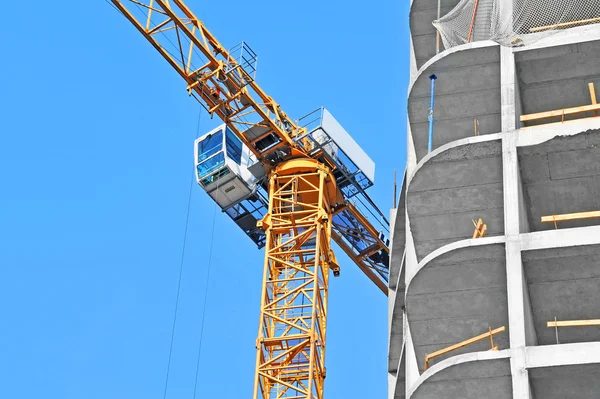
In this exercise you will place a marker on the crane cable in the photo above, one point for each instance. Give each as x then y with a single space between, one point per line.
210 250
187 220
181 269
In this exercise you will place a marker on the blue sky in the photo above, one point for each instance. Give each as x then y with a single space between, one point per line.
95 163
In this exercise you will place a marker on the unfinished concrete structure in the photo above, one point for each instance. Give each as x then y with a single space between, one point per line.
498 155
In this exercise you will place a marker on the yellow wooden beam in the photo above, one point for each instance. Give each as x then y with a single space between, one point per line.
462 344
571 216
560 112
480 228
574 323
593 95
557 123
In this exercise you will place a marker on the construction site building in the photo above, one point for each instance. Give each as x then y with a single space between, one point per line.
495 265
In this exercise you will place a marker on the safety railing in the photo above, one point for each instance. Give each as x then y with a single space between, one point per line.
490 334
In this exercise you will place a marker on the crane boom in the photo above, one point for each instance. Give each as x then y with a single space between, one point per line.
309 201
214 76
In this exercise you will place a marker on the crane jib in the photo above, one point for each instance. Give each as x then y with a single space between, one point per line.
224 84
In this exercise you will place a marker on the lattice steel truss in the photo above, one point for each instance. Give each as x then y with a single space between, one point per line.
290 360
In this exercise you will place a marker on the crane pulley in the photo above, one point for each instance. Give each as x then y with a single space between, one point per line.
314 195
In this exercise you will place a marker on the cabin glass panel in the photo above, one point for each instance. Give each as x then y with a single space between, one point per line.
210 157
234 146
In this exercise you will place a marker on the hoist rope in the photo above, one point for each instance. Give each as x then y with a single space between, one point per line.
187 220
210 250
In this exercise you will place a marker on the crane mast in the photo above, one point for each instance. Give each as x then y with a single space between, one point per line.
290 359
306 206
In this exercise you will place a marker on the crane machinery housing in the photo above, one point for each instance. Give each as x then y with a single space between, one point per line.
291 185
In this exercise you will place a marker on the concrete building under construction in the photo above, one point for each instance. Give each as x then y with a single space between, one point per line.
495 267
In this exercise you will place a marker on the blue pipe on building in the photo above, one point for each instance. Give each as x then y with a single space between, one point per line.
433 78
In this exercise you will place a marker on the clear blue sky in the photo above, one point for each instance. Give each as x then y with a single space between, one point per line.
95 163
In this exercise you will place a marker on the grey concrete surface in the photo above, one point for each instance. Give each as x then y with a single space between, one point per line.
557 77
489 379
467 88
561 176
524 273
400 383
397 328
452 189
399 236
422 14
565 382
564 283
458 296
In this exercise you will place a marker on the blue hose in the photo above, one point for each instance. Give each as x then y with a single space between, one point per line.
433 78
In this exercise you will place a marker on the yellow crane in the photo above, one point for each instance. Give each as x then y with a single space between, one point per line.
314 193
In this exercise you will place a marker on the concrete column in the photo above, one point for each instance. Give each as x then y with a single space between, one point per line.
508 88
514 267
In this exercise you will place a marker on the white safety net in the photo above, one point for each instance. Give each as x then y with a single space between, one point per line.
513 22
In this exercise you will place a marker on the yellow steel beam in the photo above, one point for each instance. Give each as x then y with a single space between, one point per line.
224 94
240 102
574 323
290 358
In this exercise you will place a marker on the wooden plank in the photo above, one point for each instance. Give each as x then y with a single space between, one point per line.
560 112
463 344
557 123
564 25
480 228
593 95
571 216
574 323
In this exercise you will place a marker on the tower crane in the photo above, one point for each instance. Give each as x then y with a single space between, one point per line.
291 185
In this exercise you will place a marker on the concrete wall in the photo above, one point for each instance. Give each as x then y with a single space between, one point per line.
455 297
561 176
564 283
422 14
451 190
557 77
467 88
